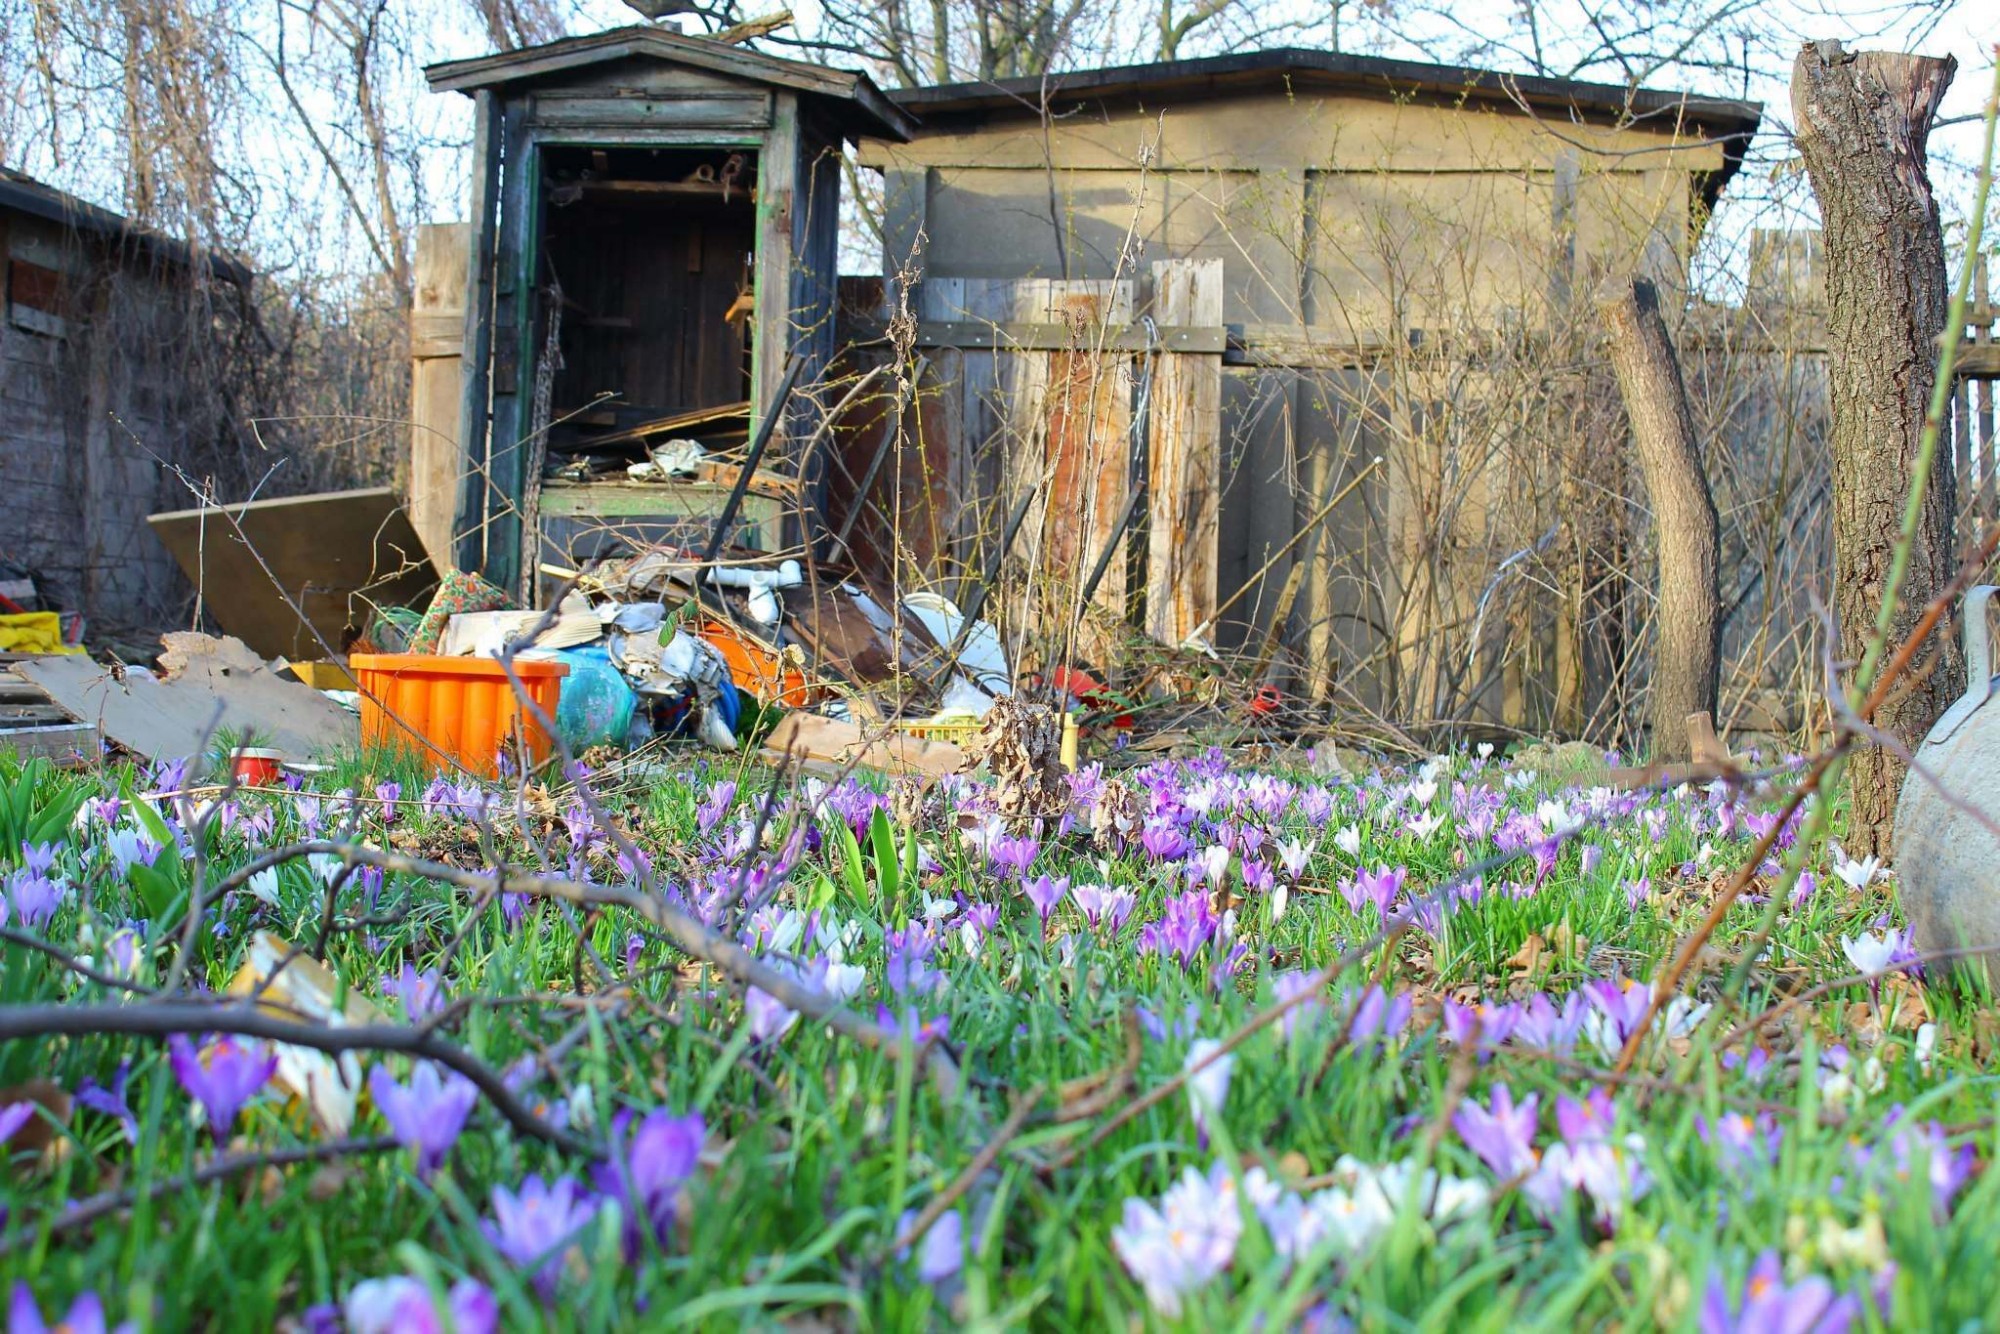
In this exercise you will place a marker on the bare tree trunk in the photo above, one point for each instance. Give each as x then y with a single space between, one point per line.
1686 530
1862 123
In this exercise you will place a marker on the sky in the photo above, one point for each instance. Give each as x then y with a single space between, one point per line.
302 226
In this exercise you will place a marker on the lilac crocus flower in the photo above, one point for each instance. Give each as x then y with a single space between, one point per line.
709 813
909 1027
535 1227
35 896
941 1252
85 1316
1380 886
1046 893
1771 1306
13 1116
389 793
1378 1014
39 858
1741 1140
404 1305
109 1102
646 1171
770 1018
1294 983
427 1114
226 1073
1488 1025
421 993
976 925
1502 1134
1163 841
1014 855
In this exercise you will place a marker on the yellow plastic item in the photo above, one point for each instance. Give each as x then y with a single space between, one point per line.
959 729
33 632
323 675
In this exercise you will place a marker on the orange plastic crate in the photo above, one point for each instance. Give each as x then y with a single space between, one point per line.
465 707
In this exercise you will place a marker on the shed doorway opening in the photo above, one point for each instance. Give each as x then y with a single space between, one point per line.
653 252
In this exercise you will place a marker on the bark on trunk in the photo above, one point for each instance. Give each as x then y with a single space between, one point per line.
1686 531
1862 124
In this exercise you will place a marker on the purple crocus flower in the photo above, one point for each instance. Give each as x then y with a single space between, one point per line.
1771 1306
108 1101
36 897
421 993
39 858
770 1018
225 1074
1163 841
1046 893
1379 887
13 1116
1542 1026
1503 1134
427 1114
404 1305
646 1171
1377 1014
909 960
1293 983
1103 906
536 1226
85 1316
941 1252
909 1027
709 813
1741 1140
1014 855
1489 1025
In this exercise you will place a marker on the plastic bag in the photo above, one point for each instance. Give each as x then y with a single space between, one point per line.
597 702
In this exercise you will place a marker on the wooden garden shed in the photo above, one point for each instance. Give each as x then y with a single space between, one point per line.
654 236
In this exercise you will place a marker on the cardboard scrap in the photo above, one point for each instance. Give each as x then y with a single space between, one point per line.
212 685
831 741
326 1087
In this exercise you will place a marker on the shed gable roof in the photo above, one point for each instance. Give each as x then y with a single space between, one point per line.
867 109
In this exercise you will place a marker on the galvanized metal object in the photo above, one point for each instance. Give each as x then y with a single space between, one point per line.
1947 862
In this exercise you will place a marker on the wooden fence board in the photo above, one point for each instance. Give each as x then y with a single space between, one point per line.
1185 465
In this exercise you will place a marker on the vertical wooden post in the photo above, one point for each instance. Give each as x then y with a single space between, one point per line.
772 324
437 339
1184 443
476 347
1982 432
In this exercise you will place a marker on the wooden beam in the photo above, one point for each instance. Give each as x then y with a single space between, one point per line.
437 337
1184 439
474 413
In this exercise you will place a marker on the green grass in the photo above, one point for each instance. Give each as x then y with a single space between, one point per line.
820 1144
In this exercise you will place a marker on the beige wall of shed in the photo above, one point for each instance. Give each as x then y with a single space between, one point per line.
1328 211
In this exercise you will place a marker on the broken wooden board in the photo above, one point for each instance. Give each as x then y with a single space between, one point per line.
811 736
212 686
337 556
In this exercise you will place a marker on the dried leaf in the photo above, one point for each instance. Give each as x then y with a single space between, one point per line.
1528 959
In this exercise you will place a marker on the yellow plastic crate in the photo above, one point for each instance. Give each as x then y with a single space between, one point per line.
959 731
